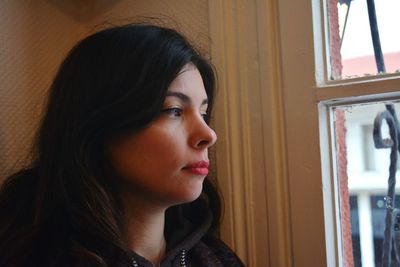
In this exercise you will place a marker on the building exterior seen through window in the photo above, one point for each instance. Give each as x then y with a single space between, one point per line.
364 37
362 43
363 183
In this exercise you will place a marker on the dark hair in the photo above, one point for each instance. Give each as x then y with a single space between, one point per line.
112 82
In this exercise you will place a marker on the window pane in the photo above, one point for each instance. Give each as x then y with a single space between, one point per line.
354 50
363 173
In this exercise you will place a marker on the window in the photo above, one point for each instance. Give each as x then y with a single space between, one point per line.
359 171
313 171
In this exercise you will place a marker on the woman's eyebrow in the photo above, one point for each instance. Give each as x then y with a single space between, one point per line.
185 98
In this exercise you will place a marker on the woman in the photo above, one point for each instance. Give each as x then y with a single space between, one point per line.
119 176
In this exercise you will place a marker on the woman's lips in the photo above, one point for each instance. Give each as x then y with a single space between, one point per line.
200 167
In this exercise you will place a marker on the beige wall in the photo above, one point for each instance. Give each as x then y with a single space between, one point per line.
37 34
34 38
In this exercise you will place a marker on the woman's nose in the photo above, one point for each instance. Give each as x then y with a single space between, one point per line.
203 136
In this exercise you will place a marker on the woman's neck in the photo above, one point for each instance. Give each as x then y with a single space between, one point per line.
144 230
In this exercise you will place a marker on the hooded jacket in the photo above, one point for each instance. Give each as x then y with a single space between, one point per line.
190 246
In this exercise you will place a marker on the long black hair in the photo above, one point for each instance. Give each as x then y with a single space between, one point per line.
112 82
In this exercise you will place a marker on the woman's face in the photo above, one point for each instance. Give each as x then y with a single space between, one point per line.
166 162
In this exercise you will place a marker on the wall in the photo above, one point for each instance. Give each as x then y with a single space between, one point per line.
35 36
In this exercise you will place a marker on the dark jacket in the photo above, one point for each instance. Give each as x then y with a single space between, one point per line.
200 249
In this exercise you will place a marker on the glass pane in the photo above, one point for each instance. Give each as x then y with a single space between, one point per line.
362 175
355 49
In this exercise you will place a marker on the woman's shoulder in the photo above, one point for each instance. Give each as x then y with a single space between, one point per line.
49 252
212 251
16 216
30 246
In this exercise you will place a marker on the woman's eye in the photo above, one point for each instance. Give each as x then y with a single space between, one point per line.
174 112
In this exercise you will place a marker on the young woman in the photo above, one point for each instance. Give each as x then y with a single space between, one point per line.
119 176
